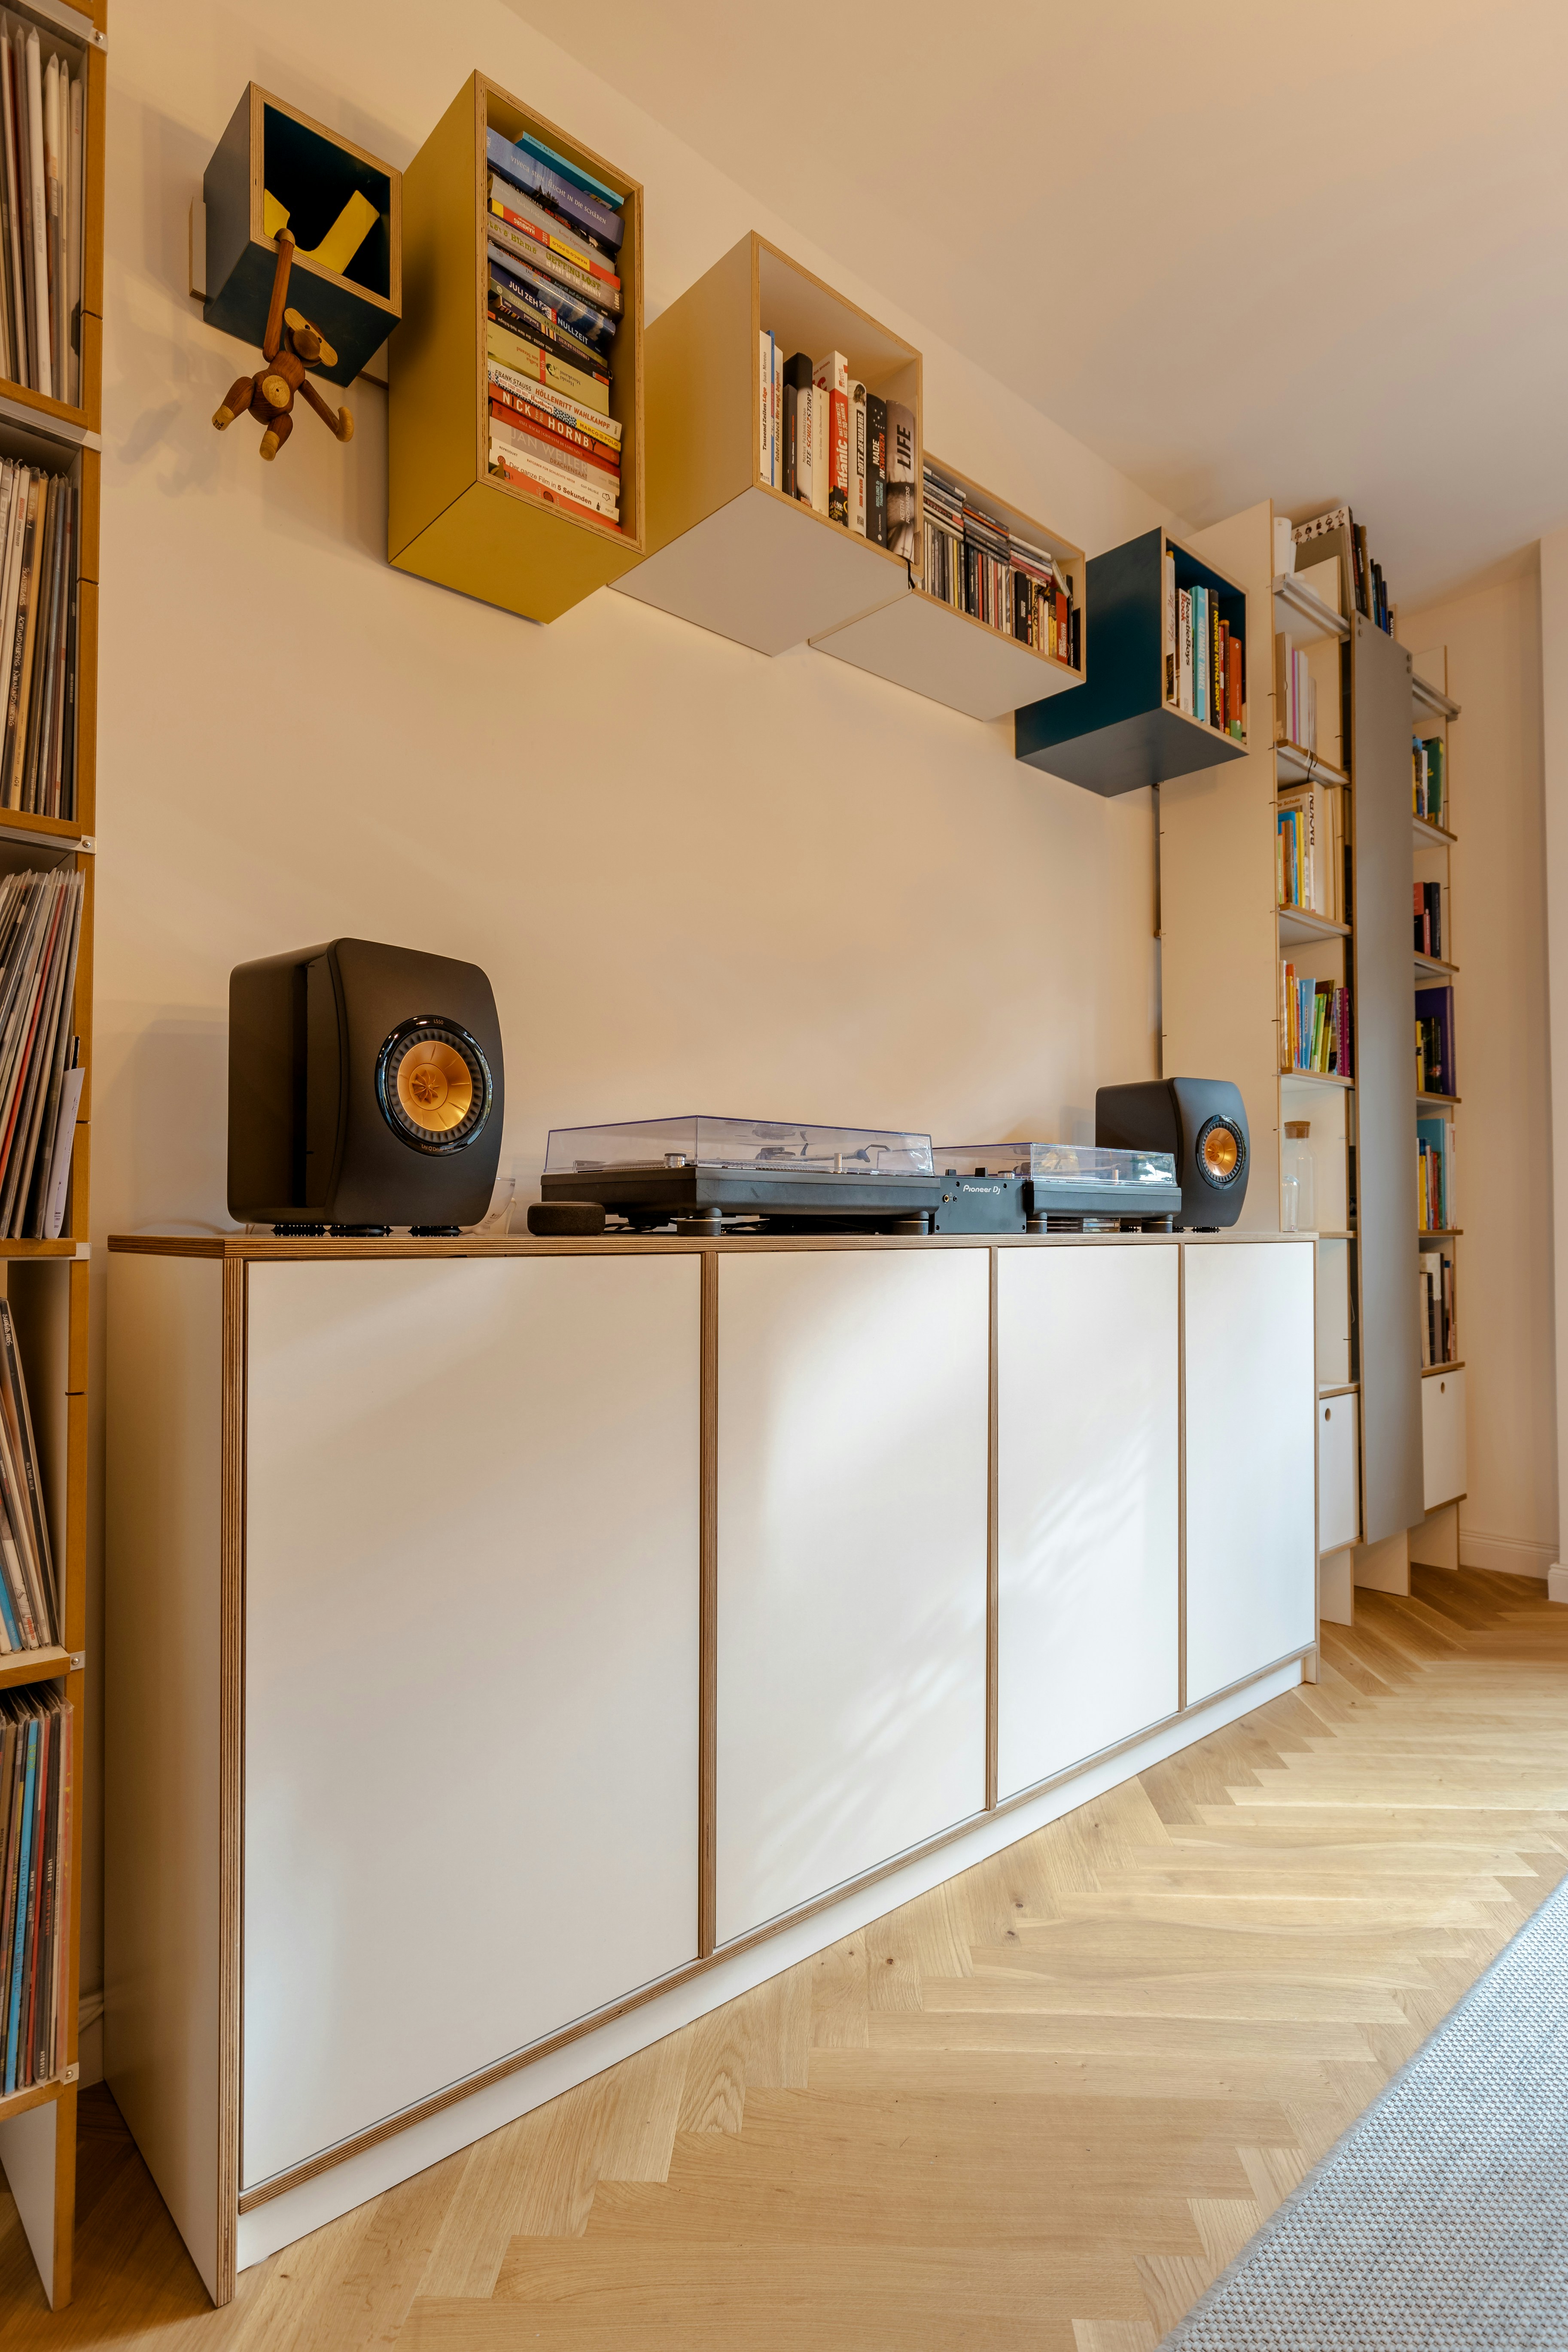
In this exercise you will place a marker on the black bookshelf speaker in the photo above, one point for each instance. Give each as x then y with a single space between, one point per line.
1202 1122
365 1088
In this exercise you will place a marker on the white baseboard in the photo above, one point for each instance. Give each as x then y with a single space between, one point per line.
1504 1555
360 2178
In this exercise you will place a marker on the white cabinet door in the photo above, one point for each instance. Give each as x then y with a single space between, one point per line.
471 1669
853 1441
1338 1472
1443 1437
1251 1402
1087 1503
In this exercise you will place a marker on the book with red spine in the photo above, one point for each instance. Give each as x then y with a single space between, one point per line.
550 426
831 375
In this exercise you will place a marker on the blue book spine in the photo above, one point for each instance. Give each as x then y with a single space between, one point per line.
7 1612
573 171
536 179
23 1911
1201 654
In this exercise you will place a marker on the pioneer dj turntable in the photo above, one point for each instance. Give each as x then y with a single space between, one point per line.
708 1174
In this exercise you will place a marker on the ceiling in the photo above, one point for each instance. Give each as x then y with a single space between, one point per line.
1300 248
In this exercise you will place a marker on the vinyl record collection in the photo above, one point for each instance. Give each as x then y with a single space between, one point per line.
40 520
979 567
1315 1024
36 1802
554 311
41 214
840 449
40 1075
29 1610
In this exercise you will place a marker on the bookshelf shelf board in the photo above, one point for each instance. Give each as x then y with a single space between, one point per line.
1432 837
1328 1234
1319 1078
1299 765
1440 1233
1299 923
1428 703
1117 733
1431 967
724 549
1342 1388
921 643
1302 617
448 518
1438 1102
1427 1370
37 2094
46 1666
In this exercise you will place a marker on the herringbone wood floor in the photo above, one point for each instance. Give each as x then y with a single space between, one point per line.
1039 2107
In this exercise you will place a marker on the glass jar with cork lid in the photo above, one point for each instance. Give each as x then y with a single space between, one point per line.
1297 1206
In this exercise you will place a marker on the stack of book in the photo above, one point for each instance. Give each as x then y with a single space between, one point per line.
1436 1209
1435 1041
39 533
1309 847
978 568
41 214
1428 911
1205 667
40 1070
555 309
1296 696
1315 1024
1426 777
36 1805
29 1610
845 452
1438 1344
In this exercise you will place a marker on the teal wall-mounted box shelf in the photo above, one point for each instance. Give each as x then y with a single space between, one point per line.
1121 733
272 149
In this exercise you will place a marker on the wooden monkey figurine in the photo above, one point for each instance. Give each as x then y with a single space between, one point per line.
289 346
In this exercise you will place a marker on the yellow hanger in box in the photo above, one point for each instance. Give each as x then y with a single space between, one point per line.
343 240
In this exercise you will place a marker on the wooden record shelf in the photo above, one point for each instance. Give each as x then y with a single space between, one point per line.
920 642
725 548
46 1281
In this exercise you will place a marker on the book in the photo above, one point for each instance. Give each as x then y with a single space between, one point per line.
901 492
1172 689
578 477
1435 1071
1184 650
796 382
548 230
857 459
574 172
569 314
528 474
606 430
559 188
528 246
830 378
764 408
807 450
876 469
527 356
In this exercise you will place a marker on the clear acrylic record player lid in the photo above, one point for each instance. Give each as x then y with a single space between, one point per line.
1056 1163
760 1146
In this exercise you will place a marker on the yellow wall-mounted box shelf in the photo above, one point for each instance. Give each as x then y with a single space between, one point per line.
726 550
949 656
448 518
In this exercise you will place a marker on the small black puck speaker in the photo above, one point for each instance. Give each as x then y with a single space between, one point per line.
365 1088
1202 1122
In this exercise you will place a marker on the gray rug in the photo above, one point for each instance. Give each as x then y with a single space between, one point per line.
1441 2218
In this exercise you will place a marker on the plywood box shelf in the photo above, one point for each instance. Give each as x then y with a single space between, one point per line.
951 658
450 519
1117 732
58 33
725 548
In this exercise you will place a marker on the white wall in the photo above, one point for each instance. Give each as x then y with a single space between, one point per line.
699 880
1493 633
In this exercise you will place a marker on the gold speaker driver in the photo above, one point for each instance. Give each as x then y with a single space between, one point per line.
433 1084
1219 1152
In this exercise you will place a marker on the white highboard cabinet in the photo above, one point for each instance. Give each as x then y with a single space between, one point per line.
507 1641
1249 1373
853 1466
1087 1355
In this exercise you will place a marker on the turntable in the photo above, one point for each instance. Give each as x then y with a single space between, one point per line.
1041 1188
710 1175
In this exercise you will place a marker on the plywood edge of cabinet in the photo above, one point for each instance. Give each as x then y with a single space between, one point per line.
261 1248
231 1769
703 397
